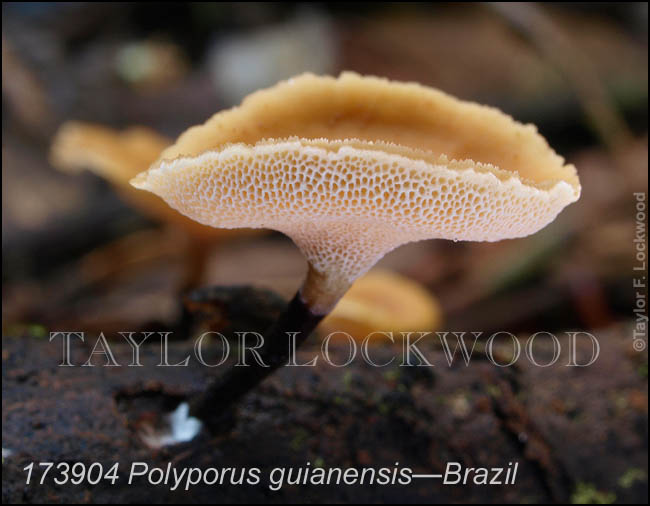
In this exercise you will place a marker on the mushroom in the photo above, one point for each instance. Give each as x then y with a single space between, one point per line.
350 168
118 156
382 301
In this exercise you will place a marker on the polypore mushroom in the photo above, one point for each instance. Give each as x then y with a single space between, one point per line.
111 154
382 301
351 168
117 157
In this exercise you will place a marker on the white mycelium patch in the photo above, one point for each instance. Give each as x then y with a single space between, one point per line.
179 428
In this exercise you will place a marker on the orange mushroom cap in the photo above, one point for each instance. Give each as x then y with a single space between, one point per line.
383 301
118 156
352 167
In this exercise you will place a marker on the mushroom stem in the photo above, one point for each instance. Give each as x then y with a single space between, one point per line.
299 317
321 292
196 262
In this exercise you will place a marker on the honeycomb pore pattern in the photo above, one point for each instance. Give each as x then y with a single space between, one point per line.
346 203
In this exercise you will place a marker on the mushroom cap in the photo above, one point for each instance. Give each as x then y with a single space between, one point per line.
118 156
115 156
352 167
383 301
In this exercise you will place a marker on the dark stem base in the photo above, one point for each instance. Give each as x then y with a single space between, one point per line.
212 406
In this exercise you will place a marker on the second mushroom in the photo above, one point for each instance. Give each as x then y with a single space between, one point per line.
350 168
